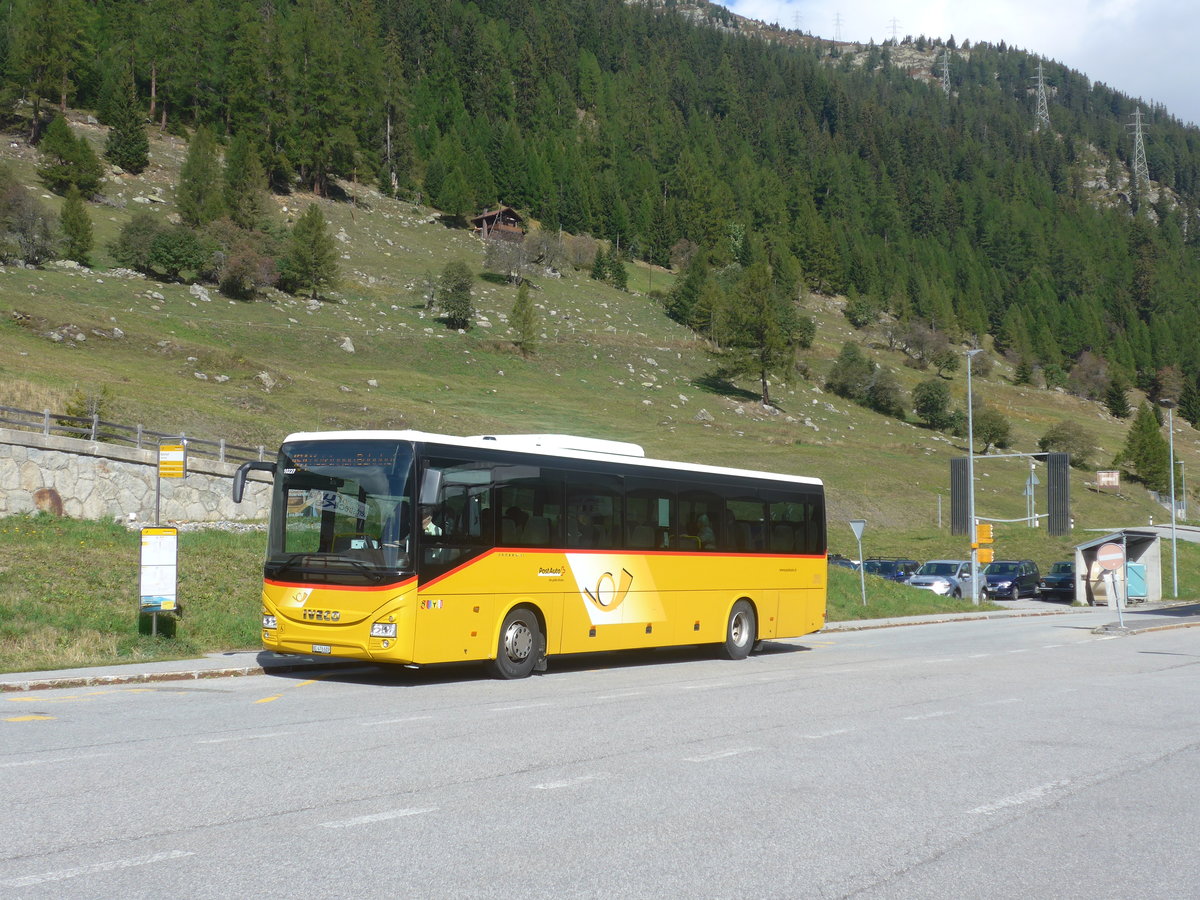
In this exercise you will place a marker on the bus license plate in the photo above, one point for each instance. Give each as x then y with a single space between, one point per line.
321 648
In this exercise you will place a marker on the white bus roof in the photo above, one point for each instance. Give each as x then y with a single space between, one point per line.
553 445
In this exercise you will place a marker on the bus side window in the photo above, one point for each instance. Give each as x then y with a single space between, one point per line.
652 507
746 519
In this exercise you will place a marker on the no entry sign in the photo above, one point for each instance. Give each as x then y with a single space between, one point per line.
1111 556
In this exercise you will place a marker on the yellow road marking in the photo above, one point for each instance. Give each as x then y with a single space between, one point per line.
34 718
298 685
78 698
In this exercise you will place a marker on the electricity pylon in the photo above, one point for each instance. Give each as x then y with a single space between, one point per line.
1141 172
1041 118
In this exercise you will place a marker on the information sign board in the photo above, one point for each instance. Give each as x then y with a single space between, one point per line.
172 461
159 571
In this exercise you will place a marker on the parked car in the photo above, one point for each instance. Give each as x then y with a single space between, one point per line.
1059 582
947 577
1011 579
836 559
893 568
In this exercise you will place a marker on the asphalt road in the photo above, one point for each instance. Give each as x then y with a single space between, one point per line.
1000 758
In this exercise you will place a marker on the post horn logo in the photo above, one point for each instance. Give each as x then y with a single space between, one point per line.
609 592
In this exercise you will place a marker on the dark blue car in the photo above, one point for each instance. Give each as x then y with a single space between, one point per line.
892 568
1011 579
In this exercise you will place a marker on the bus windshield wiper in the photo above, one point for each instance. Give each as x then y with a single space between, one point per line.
290 562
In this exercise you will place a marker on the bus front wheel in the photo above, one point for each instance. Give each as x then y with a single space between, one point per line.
740 632
520 644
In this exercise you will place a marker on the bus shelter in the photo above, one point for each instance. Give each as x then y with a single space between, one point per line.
1142 571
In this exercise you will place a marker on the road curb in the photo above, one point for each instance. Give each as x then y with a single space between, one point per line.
75 681
869 624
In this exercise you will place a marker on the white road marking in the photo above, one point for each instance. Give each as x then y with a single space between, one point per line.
244 737
621 696
723 754
1001 702
566 783
1034 793
53 761
398 721
379 817
703 687
825 734
518 706
929 715
979 656
95 868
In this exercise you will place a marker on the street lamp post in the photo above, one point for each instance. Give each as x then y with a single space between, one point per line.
971 354
1170 405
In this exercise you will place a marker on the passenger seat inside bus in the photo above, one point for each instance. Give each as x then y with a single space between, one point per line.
641 537
536 532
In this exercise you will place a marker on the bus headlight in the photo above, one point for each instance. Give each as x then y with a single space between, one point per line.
383 630
268 621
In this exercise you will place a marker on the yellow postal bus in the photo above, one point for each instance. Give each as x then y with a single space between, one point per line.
413 548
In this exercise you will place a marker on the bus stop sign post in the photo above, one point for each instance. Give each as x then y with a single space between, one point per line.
858 525
1111 557
158 587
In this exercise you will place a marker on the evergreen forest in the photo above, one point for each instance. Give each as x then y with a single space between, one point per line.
764 169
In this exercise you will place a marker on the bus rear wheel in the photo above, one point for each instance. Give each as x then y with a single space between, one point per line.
740 632
520 644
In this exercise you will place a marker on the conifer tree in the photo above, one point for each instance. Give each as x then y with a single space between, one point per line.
617 276
762 331
127 145
600 264
524 321
310 262
454 294
1146 454
200 190
76 227
245 185
65 160
1116 400
1189 401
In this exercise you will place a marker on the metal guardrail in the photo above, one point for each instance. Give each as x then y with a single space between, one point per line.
93 428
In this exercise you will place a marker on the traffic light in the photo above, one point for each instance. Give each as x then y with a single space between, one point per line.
983 533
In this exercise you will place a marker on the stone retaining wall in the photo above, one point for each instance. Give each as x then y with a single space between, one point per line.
91 480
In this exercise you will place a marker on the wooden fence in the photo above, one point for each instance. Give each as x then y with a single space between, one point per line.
94 429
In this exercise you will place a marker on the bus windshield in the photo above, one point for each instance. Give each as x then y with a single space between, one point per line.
342 513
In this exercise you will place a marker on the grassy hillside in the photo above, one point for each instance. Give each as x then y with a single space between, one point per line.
610 364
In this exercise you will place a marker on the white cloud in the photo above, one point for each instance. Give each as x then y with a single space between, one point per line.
1143 48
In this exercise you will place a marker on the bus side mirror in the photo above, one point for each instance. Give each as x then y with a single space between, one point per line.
431 487
239 479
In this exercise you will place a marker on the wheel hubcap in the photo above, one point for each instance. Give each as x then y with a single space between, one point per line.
739 629
518 641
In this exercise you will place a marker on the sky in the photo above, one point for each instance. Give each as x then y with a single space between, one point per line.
1147 49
